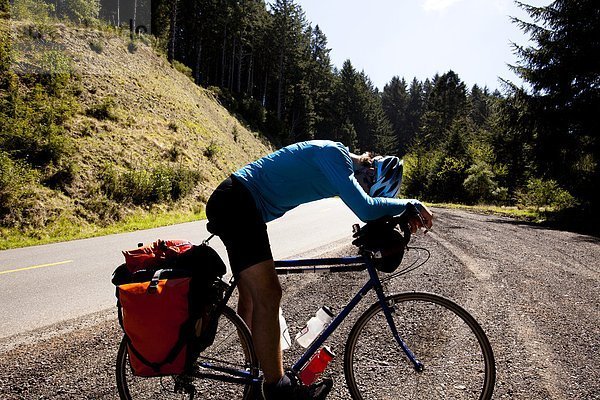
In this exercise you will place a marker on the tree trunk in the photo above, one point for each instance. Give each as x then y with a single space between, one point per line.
250 84
280 87
198 60
173 32
223 57
232 64
239 71
264 96
135 15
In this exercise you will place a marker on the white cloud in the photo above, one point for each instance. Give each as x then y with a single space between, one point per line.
438 5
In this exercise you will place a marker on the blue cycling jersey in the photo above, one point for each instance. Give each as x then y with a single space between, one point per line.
309 171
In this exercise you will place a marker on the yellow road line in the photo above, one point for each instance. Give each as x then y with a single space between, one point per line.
36 266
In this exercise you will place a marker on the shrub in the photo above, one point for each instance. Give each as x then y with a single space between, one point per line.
4 8
184 182
546 195
96 208
184 69
137 186
173 126
132 47
110 182
414 177
33 10
6 54
480 183
15 184
162 184
33 131
174 153
97 46
80 10
212 149
253 112
60 176
445 179
56 70
103 110
147 186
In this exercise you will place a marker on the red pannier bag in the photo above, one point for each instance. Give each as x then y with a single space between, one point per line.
156 320
165 312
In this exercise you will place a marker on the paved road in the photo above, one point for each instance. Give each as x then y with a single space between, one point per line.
43 285
535 291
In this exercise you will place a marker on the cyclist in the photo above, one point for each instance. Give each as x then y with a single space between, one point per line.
264 190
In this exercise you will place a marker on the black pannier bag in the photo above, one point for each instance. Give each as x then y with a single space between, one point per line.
165 310
383 241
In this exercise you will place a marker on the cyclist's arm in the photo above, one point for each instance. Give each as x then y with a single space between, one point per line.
369 208
337 167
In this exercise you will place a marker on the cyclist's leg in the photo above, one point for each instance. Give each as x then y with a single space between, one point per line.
244 308
263 286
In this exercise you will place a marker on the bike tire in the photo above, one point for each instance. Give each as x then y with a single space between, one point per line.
457 356
232 348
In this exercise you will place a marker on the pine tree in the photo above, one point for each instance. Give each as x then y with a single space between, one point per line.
414 111
321 81
563 70
446 101
479 107
395 100
289 40
346 102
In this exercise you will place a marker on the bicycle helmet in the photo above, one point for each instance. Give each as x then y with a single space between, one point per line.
388 176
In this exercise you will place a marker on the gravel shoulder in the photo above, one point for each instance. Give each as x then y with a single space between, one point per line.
535 291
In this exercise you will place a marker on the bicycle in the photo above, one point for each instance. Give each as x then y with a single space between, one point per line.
405 346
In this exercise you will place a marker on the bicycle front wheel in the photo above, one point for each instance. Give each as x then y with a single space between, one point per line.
231 351
456 354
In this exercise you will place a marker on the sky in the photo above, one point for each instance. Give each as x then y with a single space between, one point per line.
419 38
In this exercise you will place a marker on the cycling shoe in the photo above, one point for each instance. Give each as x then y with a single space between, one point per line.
320 390
289 388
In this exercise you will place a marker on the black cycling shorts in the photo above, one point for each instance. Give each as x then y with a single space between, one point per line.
233 216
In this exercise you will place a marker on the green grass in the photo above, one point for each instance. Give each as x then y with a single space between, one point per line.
65 230
526 214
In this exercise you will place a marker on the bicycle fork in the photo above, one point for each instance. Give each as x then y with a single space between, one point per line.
388 311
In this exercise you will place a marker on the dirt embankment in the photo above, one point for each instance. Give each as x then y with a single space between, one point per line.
536 292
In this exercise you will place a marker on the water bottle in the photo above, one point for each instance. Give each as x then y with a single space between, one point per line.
285 339
315 367
314 326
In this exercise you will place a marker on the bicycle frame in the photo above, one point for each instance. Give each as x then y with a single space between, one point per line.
342 264
345 264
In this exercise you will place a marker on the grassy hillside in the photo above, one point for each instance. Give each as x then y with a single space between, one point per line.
139 140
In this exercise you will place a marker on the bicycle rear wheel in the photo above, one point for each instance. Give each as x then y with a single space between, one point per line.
457 356
232 349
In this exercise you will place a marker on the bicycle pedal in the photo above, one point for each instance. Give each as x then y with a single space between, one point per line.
320 390
183 386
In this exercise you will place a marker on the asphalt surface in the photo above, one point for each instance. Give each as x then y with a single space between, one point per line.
535 291
43 285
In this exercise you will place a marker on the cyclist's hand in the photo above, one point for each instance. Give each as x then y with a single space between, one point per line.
424 220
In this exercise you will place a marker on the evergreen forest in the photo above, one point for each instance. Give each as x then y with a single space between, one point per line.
532 145
535 145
